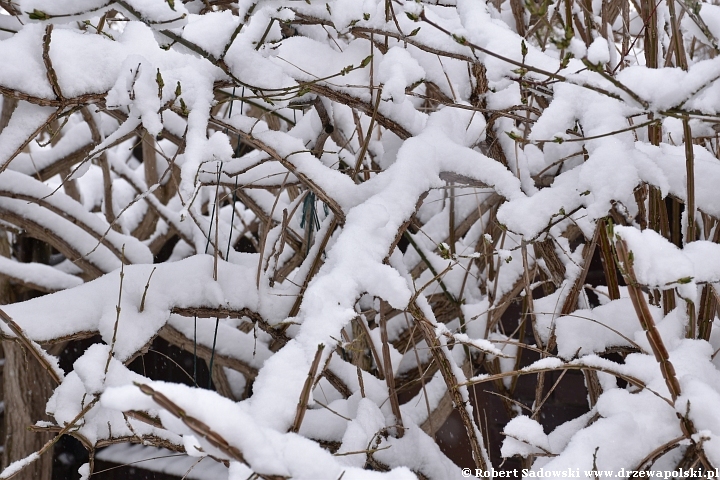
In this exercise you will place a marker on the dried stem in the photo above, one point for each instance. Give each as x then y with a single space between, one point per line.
307 390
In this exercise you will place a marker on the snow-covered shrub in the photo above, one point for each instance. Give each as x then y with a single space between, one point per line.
344 199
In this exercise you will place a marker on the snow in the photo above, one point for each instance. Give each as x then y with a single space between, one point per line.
76 138
43 276
474 144
597 52
397 70
25 70
704 256
91 307
647 246
27 119
62 6
260 446
81 229
16 466
163 461
594 331
524 437
211 31
71 52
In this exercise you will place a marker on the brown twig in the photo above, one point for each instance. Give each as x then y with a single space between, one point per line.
307 390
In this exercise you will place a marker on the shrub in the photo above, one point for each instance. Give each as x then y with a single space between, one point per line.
362 216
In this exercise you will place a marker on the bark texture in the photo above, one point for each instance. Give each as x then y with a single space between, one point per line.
25 384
